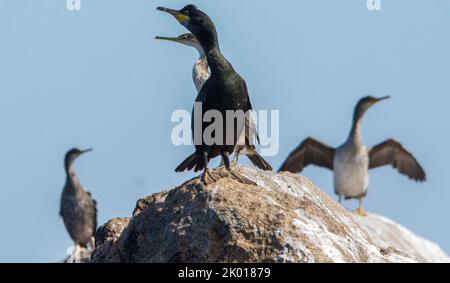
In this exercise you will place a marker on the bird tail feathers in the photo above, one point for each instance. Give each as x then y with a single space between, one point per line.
194 160
259 162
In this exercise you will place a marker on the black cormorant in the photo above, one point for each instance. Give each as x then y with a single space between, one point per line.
200 73
224 90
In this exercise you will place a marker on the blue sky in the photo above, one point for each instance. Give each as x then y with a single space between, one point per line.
97 78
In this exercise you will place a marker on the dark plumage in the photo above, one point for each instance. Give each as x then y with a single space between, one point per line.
200 74
391 152
78 208
224 90
246 146
310 151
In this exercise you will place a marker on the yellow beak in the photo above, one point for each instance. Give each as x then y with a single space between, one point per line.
179 16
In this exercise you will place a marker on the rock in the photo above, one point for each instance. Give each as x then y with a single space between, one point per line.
106 237
286 218
386 233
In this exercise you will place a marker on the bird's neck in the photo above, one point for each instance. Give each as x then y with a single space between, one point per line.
355 136
71 176
209 41
201 65
201 52
217 62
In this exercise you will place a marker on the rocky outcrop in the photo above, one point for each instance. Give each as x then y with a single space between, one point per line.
285 218
386 233
106 237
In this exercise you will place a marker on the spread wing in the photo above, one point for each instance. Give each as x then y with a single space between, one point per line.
391 152
310 151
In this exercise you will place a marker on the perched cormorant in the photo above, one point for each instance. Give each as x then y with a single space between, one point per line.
78 208
224 90
200 73
351 161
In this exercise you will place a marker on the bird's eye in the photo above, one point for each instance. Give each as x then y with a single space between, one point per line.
186 13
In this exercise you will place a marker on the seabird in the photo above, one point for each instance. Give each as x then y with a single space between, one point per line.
78 208
224 90
351 161
200 73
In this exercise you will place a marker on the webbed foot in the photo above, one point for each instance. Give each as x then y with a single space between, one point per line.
360 211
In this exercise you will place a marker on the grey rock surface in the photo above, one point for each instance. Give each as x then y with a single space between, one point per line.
285 218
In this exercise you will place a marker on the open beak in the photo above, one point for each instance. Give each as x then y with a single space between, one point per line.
174 39
86 150
179 16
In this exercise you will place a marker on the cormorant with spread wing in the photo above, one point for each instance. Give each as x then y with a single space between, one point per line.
351 161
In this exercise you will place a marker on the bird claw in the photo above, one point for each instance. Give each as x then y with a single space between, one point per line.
360 211
242 179
209 178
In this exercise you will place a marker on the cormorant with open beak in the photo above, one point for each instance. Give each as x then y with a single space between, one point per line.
351 161
200 73
78 208
223 91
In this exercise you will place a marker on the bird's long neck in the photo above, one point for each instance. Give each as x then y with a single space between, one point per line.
70 174
355 136
201 53
216 61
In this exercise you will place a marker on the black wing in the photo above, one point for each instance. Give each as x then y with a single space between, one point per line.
391 152
310 151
